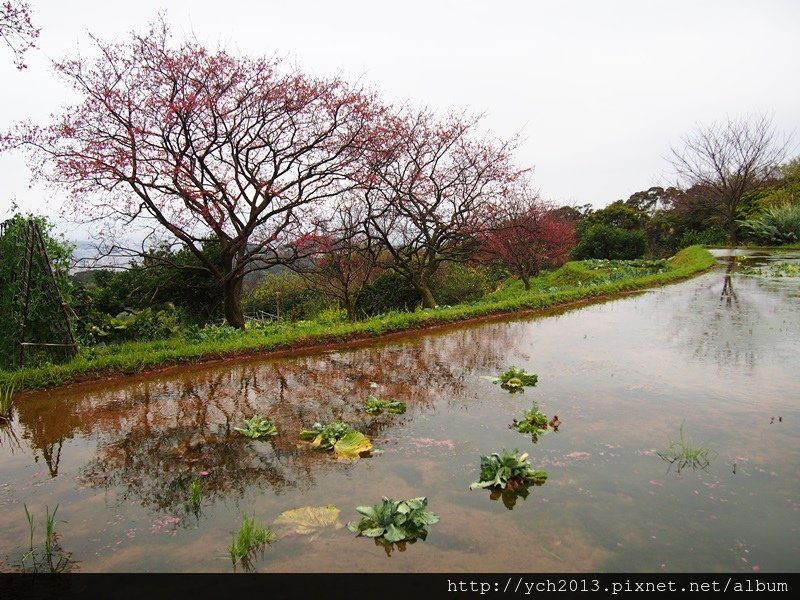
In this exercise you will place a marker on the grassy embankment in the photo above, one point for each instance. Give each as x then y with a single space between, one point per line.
571 283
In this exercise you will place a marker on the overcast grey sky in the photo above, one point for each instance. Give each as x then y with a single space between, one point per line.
598 90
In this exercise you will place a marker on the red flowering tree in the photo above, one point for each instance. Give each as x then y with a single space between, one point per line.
427 186
343 259
526 235
17 30
201 145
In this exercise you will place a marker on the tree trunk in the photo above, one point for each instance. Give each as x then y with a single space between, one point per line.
732 232
232 302
350 307
424 289
525 276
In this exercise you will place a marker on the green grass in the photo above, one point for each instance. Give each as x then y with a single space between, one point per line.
50 557
571 283
6 397
684 454
195 495
251 538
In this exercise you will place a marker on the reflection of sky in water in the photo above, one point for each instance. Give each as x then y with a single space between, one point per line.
623 376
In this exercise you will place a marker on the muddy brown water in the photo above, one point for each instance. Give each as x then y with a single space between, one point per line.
716 357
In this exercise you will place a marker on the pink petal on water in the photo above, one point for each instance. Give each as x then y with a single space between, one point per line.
756 568
578 455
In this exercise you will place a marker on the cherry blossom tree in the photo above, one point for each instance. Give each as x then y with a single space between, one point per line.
197 145
17 30
525 235
343 258
426 186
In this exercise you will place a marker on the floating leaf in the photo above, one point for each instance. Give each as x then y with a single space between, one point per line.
345 441
351 445
310 519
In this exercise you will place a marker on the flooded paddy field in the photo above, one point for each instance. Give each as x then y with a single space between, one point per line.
714 359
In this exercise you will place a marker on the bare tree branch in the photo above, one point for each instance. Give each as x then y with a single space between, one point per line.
729 159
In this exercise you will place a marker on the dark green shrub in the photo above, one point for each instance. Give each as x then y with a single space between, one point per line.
162 276
605 241
713 236
390 291
455 283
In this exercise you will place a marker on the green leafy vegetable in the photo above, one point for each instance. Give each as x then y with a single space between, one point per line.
515 380
535 423
325 436
509 469
515 377
376 406
393 521
257 427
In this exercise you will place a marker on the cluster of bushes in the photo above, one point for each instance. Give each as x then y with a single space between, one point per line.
111 306
775 226
605 241
658 222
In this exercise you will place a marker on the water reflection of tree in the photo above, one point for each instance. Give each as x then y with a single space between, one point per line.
47 424
740 326
157 468
728 295
157 435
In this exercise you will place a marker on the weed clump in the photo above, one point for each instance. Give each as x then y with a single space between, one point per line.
251 539
684 454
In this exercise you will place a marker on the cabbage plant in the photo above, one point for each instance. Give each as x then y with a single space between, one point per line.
506 470
257 427
376 406
392 521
